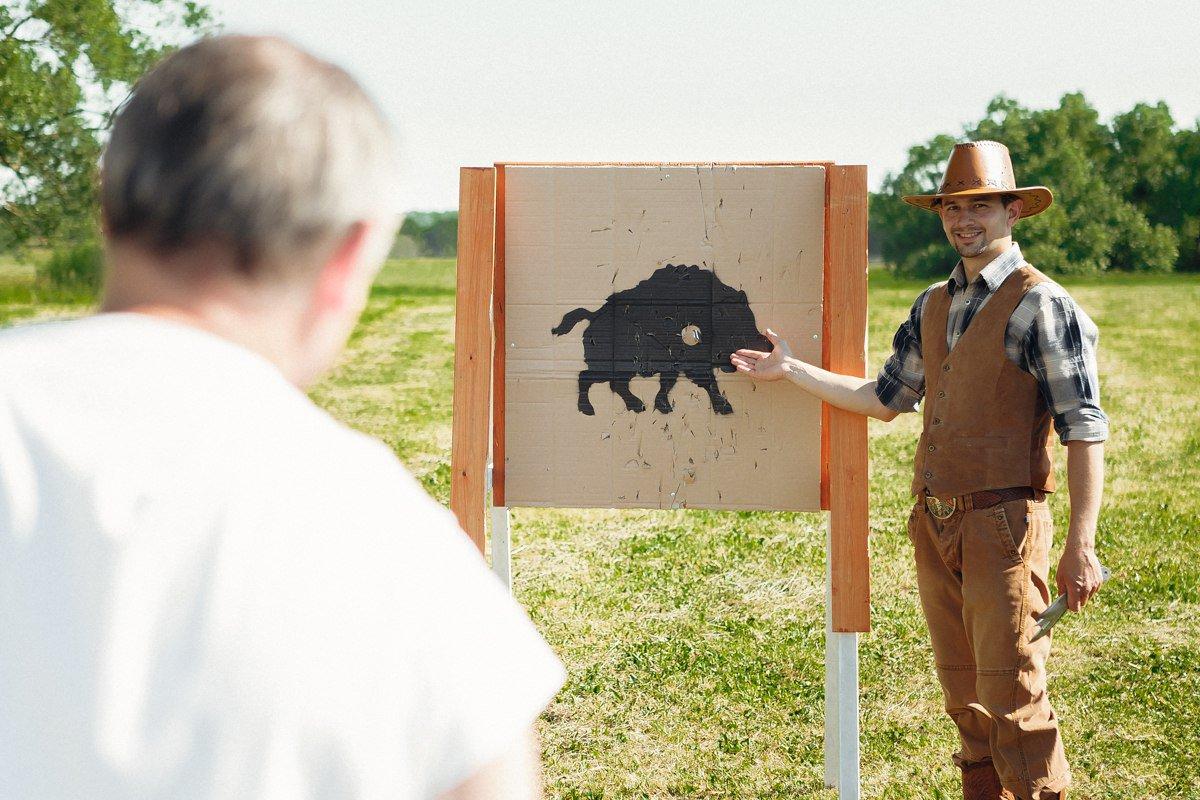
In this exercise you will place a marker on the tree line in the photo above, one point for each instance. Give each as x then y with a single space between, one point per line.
429 234
1127 193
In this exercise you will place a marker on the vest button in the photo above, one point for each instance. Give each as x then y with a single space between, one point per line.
937 421
941 394
932 448
928 474
945 367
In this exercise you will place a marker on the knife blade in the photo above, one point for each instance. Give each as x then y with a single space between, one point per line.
1054 612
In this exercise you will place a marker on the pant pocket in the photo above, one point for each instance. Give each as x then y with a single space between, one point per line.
1010 540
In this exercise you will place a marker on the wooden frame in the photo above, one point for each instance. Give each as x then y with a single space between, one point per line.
845 434
479 385
498 359
472 348
479 393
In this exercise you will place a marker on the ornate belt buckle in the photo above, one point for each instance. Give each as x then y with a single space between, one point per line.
940 509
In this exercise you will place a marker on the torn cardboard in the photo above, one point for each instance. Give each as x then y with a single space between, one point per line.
625 290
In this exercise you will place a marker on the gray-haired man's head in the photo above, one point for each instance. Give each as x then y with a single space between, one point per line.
250 147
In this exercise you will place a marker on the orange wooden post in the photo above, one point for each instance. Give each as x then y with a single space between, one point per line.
844 446
846 313
498 353
472 348
825 282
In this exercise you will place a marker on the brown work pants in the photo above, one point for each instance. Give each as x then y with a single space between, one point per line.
982 575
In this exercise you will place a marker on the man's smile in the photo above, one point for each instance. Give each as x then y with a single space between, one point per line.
966 237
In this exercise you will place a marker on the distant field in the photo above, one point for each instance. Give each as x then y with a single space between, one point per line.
23 297
694 640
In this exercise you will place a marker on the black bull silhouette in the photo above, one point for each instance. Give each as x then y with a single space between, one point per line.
680 320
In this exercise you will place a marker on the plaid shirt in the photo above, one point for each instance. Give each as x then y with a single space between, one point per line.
1048 336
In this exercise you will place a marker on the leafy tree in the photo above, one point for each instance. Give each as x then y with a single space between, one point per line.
1159 170
909 237
1183 192
1147 157
1117 189
65 66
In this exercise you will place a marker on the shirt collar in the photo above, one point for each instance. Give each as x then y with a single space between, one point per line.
993 274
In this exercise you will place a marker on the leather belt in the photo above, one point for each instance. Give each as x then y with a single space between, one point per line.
944 509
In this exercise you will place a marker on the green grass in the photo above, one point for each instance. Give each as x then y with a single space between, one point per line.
694 640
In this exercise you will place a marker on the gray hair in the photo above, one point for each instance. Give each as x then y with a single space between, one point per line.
249 144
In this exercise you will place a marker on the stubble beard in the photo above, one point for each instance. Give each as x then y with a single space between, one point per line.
972 250
976 248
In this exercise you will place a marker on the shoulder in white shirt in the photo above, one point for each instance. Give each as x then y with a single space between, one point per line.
210 588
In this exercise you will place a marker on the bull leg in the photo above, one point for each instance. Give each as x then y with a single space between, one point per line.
708 382
620 385
586 379
662 401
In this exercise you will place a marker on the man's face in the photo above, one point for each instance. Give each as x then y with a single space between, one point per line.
976 225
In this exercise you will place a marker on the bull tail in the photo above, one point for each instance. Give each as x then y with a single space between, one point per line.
570 320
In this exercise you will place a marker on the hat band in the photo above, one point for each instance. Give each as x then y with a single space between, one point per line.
977 183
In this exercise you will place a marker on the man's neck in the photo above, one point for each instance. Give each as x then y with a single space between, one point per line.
263 323
973 265
260 335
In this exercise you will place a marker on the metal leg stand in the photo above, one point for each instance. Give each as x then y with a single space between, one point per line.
501 553
501 549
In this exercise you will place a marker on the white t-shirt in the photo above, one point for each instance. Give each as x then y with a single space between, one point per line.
209 588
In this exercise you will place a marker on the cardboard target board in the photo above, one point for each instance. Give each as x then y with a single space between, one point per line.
625 290
596 308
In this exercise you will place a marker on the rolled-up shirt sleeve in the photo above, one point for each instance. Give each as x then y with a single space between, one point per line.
1060 352
900 384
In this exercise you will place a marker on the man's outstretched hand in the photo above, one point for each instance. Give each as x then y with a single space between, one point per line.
763 366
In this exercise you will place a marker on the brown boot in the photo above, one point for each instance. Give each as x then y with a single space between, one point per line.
980 782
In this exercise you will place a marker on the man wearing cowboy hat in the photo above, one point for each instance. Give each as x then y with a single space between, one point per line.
1000 353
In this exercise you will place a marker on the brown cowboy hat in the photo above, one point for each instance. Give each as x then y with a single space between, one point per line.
983 168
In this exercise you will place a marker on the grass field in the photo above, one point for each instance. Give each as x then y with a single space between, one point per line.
694 640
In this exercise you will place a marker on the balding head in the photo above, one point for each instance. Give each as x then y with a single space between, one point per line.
246 190
248 147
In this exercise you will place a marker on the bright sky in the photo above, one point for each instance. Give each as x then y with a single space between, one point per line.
468 84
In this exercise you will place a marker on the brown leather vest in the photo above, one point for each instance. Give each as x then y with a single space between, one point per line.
986 423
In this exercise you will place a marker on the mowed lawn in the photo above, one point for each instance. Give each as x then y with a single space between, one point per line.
694 640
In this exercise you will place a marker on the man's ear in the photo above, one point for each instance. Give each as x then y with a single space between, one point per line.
337 275
1014 210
